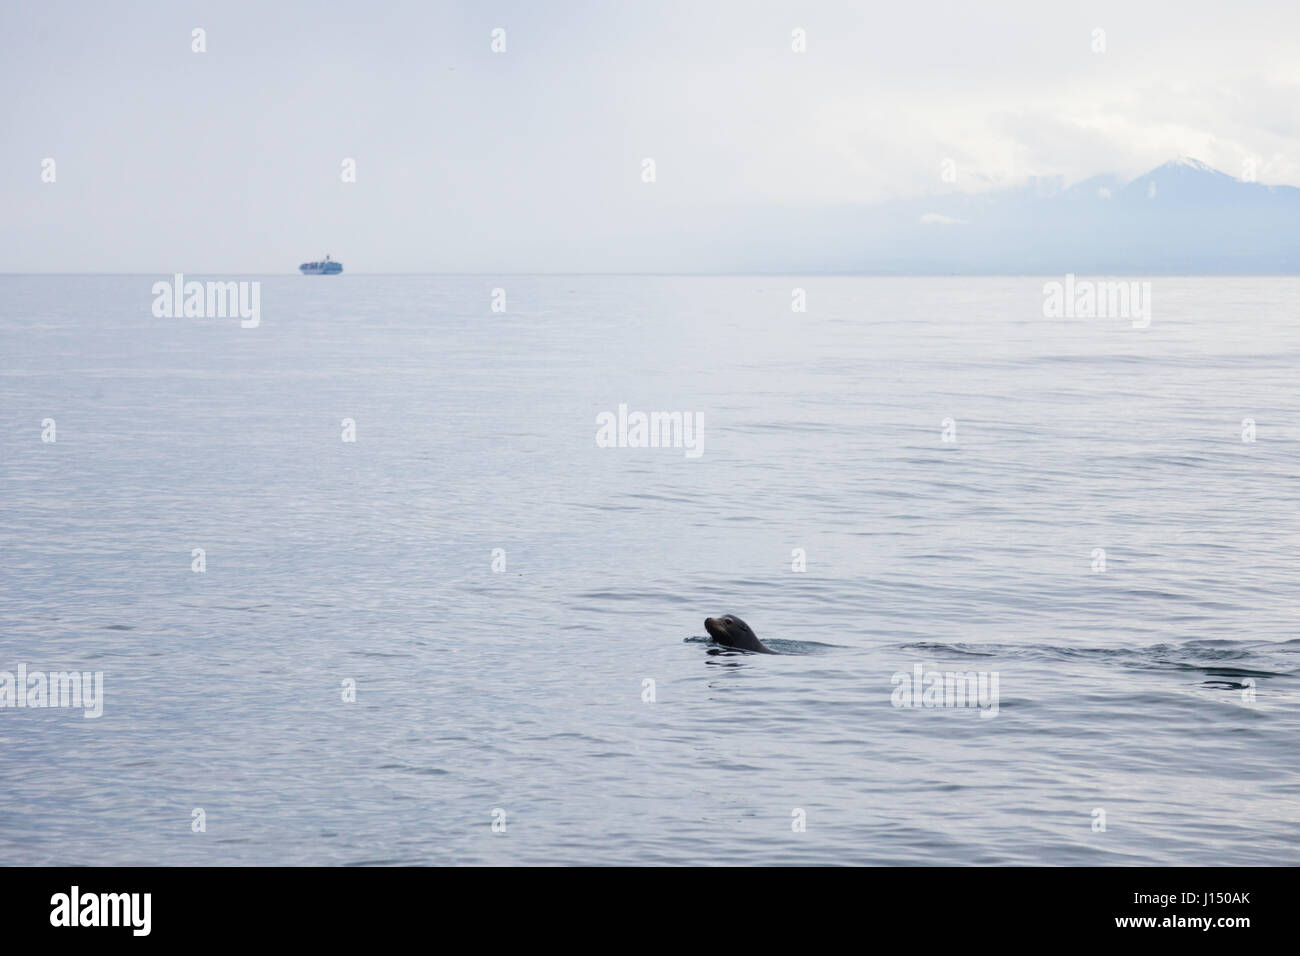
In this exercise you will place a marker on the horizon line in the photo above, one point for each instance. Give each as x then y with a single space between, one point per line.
688 275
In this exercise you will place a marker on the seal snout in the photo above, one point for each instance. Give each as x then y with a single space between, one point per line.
713 627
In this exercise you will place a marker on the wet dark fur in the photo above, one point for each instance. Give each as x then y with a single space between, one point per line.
733 632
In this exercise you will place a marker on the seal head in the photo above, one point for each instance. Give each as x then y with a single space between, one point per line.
733 632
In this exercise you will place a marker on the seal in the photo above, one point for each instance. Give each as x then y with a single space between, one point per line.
733 632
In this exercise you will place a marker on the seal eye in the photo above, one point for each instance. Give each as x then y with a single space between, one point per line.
726 620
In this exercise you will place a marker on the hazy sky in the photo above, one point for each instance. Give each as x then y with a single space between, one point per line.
468 160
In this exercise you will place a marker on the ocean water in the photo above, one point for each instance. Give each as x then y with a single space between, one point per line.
1156 693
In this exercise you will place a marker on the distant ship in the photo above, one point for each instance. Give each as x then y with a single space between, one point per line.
326 267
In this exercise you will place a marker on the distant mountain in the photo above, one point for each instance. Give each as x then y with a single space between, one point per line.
1181 217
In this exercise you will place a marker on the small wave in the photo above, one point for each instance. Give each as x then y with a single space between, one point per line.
422 771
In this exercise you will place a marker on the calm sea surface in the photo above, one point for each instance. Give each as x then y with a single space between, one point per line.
1160 695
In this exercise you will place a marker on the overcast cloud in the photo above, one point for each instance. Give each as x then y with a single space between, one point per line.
469 160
